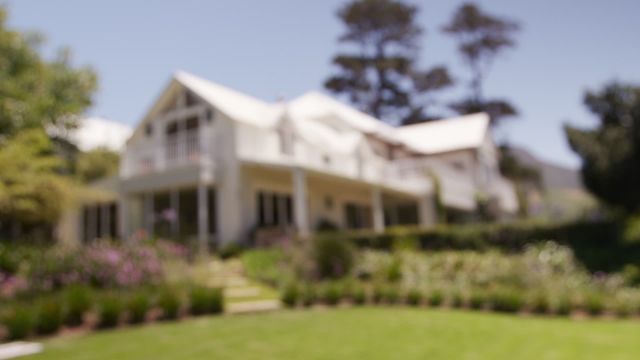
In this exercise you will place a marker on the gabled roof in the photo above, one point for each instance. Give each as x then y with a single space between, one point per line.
234 104
464 132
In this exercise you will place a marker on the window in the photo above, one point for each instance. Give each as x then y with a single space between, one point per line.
172 128
274 209
191 99
358 216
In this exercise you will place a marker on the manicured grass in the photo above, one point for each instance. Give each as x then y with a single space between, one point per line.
360 333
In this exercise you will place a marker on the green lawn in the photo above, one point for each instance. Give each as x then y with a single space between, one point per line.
360 333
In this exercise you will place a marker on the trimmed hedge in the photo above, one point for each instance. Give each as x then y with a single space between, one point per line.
597 244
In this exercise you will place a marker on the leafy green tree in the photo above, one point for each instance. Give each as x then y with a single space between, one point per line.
378 72
34 92
97 164
481 37
31 189
611 152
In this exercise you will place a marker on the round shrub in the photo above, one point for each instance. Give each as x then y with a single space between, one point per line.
435 298
457 299
49 316
18 321
379 294
594 304
331 294
504 300
563 306
169 303
138 306
110 309
290 295
359 295
414 297
539 304
204 300
477 300
333 256
78 302
308 296
392 295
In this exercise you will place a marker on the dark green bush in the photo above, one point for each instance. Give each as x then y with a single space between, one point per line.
333 255
392 295
331 294
457 299
477 300
263 265
563 306
169 303
290 295
379 293
435 298
309 295
110 309
539 303
138 306
18 321
230 250
594 304
49 316
359 295
78 302
506 300
205 300
394 271
414 297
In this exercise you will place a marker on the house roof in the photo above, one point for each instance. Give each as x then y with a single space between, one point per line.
464 132
235 104
97 132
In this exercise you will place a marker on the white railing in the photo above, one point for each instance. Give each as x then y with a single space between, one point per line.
176 150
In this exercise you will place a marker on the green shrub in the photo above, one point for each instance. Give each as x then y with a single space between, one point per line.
477 300
506 300
563 306
435 298
230 250
594 304
78 302
331 294
333 256
379 293
414 297
49 316
392 295
309 295
539 303
205 300
138 306
290 295
457 299
18 321
359 295
263 265
394 271
169 302
110 309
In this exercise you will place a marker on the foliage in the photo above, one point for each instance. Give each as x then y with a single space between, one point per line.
331 293
18 321
31 190
290 295
49 316
380 76
414 297
506 300
138 306
611 152
230 250
96 164
436 298
78 302
481 38
169 303
110 309
205 300
263 264
333 256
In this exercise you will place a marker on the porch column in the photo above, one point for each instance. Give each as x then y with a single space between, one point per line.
378 209
426 211
300 215
175 208
203 218
148 213
123 218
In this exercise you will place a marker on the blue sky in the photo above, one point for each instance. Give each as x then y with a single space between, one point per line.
283 48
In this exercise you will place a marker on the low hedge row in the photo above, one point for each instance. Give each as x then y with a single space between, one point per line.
503 300
597 244
75 306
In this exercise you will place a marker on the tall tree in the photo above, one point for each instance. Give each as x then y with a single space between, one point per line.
611 152
378 72
481 37
34 92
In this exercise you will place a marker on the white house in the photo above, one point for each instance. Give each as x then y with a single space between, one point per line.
212 164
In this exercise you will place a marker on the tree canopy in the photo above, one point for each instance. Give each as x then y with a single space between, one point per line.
378 72
97 164
610 152
481 38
